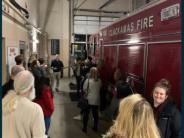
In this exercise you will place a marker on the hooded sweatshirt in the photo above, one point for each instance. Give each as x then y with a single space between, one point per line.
21 117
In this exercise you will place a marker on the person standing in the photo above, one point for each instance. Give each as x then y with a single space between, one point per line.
43 67
21 118
9 85
167 115
91 88
121 89
36 70
19 60
57 66
135 120
31 59
89 64
44 98
78 75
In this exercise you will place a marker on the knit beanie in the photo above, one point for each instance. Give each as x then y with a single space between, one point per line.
23 81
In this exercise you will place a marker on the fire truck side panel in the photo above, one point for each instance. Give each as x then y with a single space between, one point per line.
164 61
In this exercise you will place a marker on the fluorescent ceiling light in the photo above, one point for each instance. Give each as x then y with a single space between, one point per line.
133 41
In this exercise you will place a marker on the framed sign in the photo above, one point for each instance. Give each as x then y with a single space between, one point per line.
55 47
12 53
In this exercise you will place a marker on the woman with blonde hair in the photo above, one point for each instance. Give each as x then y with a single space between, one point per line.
91 88
135 120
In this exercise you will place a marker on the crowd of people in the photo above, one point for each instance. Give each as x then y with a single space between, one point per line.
27 103
28 99
132 113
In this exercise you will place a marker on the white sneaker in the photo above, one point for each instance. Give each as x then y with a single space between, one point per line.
78 117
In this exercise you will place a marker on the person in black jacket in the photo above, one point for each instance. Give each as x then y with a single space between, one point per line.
9 85
43 67
121 90
57 66
167 115
35 69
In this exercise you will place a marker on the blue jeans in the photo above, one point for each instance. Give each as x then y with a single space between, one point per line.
47 124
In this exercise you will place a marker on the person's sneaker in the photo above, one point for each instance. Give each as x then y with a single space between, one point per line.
78 117
47 136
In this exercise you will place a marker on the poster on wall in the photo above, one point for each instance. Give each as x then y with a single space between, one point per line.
55 47
12 53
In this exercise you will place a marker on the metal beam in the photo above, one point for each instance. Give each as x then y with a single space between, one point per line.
50 4
81 4
106 3
92 20
97 16
100 11
38 12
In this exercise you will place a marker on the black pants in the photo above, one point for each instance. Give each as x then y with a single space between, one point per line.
78 80
86 116
103 100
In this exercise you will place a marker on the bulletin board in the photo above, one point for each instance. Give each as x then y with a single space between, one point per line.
12 53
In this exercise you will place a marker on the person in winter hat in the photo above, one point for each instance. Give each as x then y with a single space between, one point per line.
21 117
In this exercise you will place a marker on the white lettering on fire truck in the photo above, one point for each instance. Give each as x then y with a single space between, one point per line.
138 25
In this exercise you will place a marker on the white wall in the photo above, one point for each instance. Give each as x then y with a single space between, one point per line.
33 11
90 25
41 12
57 27
54 24
13 33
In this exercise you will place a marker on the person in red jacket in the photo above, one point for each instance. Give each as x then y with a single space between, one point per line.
44 98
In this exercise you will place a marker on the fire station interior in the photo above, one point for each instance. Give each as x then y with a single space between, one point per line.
46 28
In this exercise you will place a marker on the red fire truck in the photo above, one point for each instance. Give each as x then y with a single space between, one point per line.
146 45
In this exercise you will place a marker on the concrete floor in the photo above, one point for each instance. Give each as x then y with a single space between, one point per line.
63 125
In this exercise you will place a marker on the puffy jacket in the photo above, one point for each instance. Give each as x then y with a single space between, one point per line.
168 120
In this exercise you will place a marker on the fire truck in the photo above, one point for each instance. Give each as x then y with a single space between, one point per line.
146 44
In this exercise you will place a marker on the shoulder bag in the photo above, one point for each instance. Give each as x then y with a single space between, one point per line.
83 101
